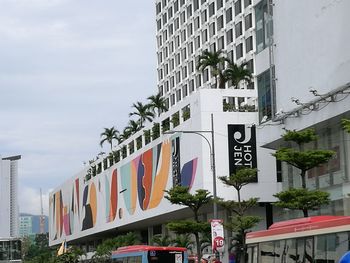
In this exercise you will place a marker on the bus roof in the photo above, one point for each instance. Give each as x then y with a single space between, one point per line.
300 227
138 248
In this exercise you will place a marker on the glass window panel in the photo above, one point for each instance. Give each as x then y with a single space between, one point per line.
267 252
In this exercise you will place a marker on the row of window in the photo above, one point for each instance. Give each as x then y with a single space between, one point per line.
214 27
188 68
193 7
192 83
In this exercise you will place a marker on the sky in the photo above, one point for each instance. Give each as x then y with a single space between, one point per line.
68 69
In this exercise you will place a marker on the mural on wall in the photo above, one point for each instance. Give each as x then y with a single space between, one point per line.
140 182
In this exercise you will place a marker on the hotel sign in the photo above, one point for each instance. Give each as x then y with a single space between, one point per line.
241 146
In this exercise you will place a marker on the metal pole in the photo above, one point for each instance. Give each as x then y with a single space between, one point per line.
215 207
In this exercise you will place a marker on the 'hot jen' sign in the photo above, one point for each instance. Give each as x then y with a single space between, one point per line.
241 146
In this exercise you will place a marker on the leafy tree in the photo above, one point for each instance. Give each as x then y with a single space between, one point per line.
302 199
180 195
213 60
161 240
71 256
133 127
104 250
143 112
108 135
37 251
183 240
157 102
236 74
346 125
240 223
303 160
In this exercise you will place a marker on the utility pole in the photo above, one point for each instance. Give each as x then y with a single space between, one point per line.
42 217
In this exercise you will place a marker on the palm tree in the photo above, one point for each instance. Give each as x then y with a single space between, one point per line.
236 74
133 127
183 240
212 60
143 112
157 102
109 135
160 240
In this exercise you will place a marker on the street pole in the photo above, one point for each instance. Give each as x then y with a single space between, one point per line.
215 207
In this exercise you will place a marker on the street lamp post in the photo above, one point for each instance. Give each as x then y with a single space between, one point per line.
212 157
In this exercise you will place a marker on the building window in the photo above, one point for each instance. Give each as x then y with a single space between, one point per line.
171 29
189 11
212 29
183 54
247 3
229 36
219 4
172 99
176 24
198 81
195 4
165 19
211 9
229 15
170 12
190 30
264 27
248 22
231 56
249 44
250 65
178 95
183 17
239 51
212 47
184 72
159 24
184 91
178 77
204 36
196 23
238 29
158 8
190 67
183 35
197 42
191 85
220 22
264 95
176 6
177 59
221 43
238 7
204 16
190 48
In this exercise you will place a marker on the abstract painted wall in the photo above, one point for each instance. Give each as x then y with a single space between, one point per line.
119 192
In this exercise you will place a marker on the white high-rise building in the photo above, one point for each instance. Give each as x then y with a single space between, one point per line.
9 211
186 28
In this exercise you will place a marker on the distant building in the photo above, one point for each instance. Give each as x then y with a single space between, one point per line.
29 225
9 196
25 226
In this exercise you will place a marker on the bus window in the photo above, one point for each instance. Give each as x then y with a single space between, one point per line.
252 254
165 256
290 251
342 244
267 252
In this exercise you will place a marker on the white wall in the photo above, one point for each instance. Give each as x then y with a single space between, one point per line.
202 103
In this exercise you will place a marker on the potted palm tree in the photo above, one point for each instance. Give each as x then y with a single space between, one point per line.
143 112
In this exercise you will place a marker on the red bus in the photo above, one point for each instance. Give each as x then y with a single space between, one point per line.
317 239
150 254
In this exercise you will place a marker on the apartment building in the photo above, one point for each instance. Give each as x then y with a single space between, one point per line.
9 211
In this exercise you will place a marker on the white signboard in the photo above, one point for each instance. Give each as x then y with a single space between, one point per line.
217 235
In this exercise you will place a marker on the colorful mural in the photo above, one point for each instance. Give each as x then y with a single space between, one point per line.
139 183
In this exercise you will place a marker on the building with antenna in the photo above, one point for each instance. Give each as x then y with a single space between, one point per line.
9 212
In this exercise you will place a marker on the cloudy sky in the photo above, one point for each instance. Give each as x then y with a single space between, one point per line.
69 68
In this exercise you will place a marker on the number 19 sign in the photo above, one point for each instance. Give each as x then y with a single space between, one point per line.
217 235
